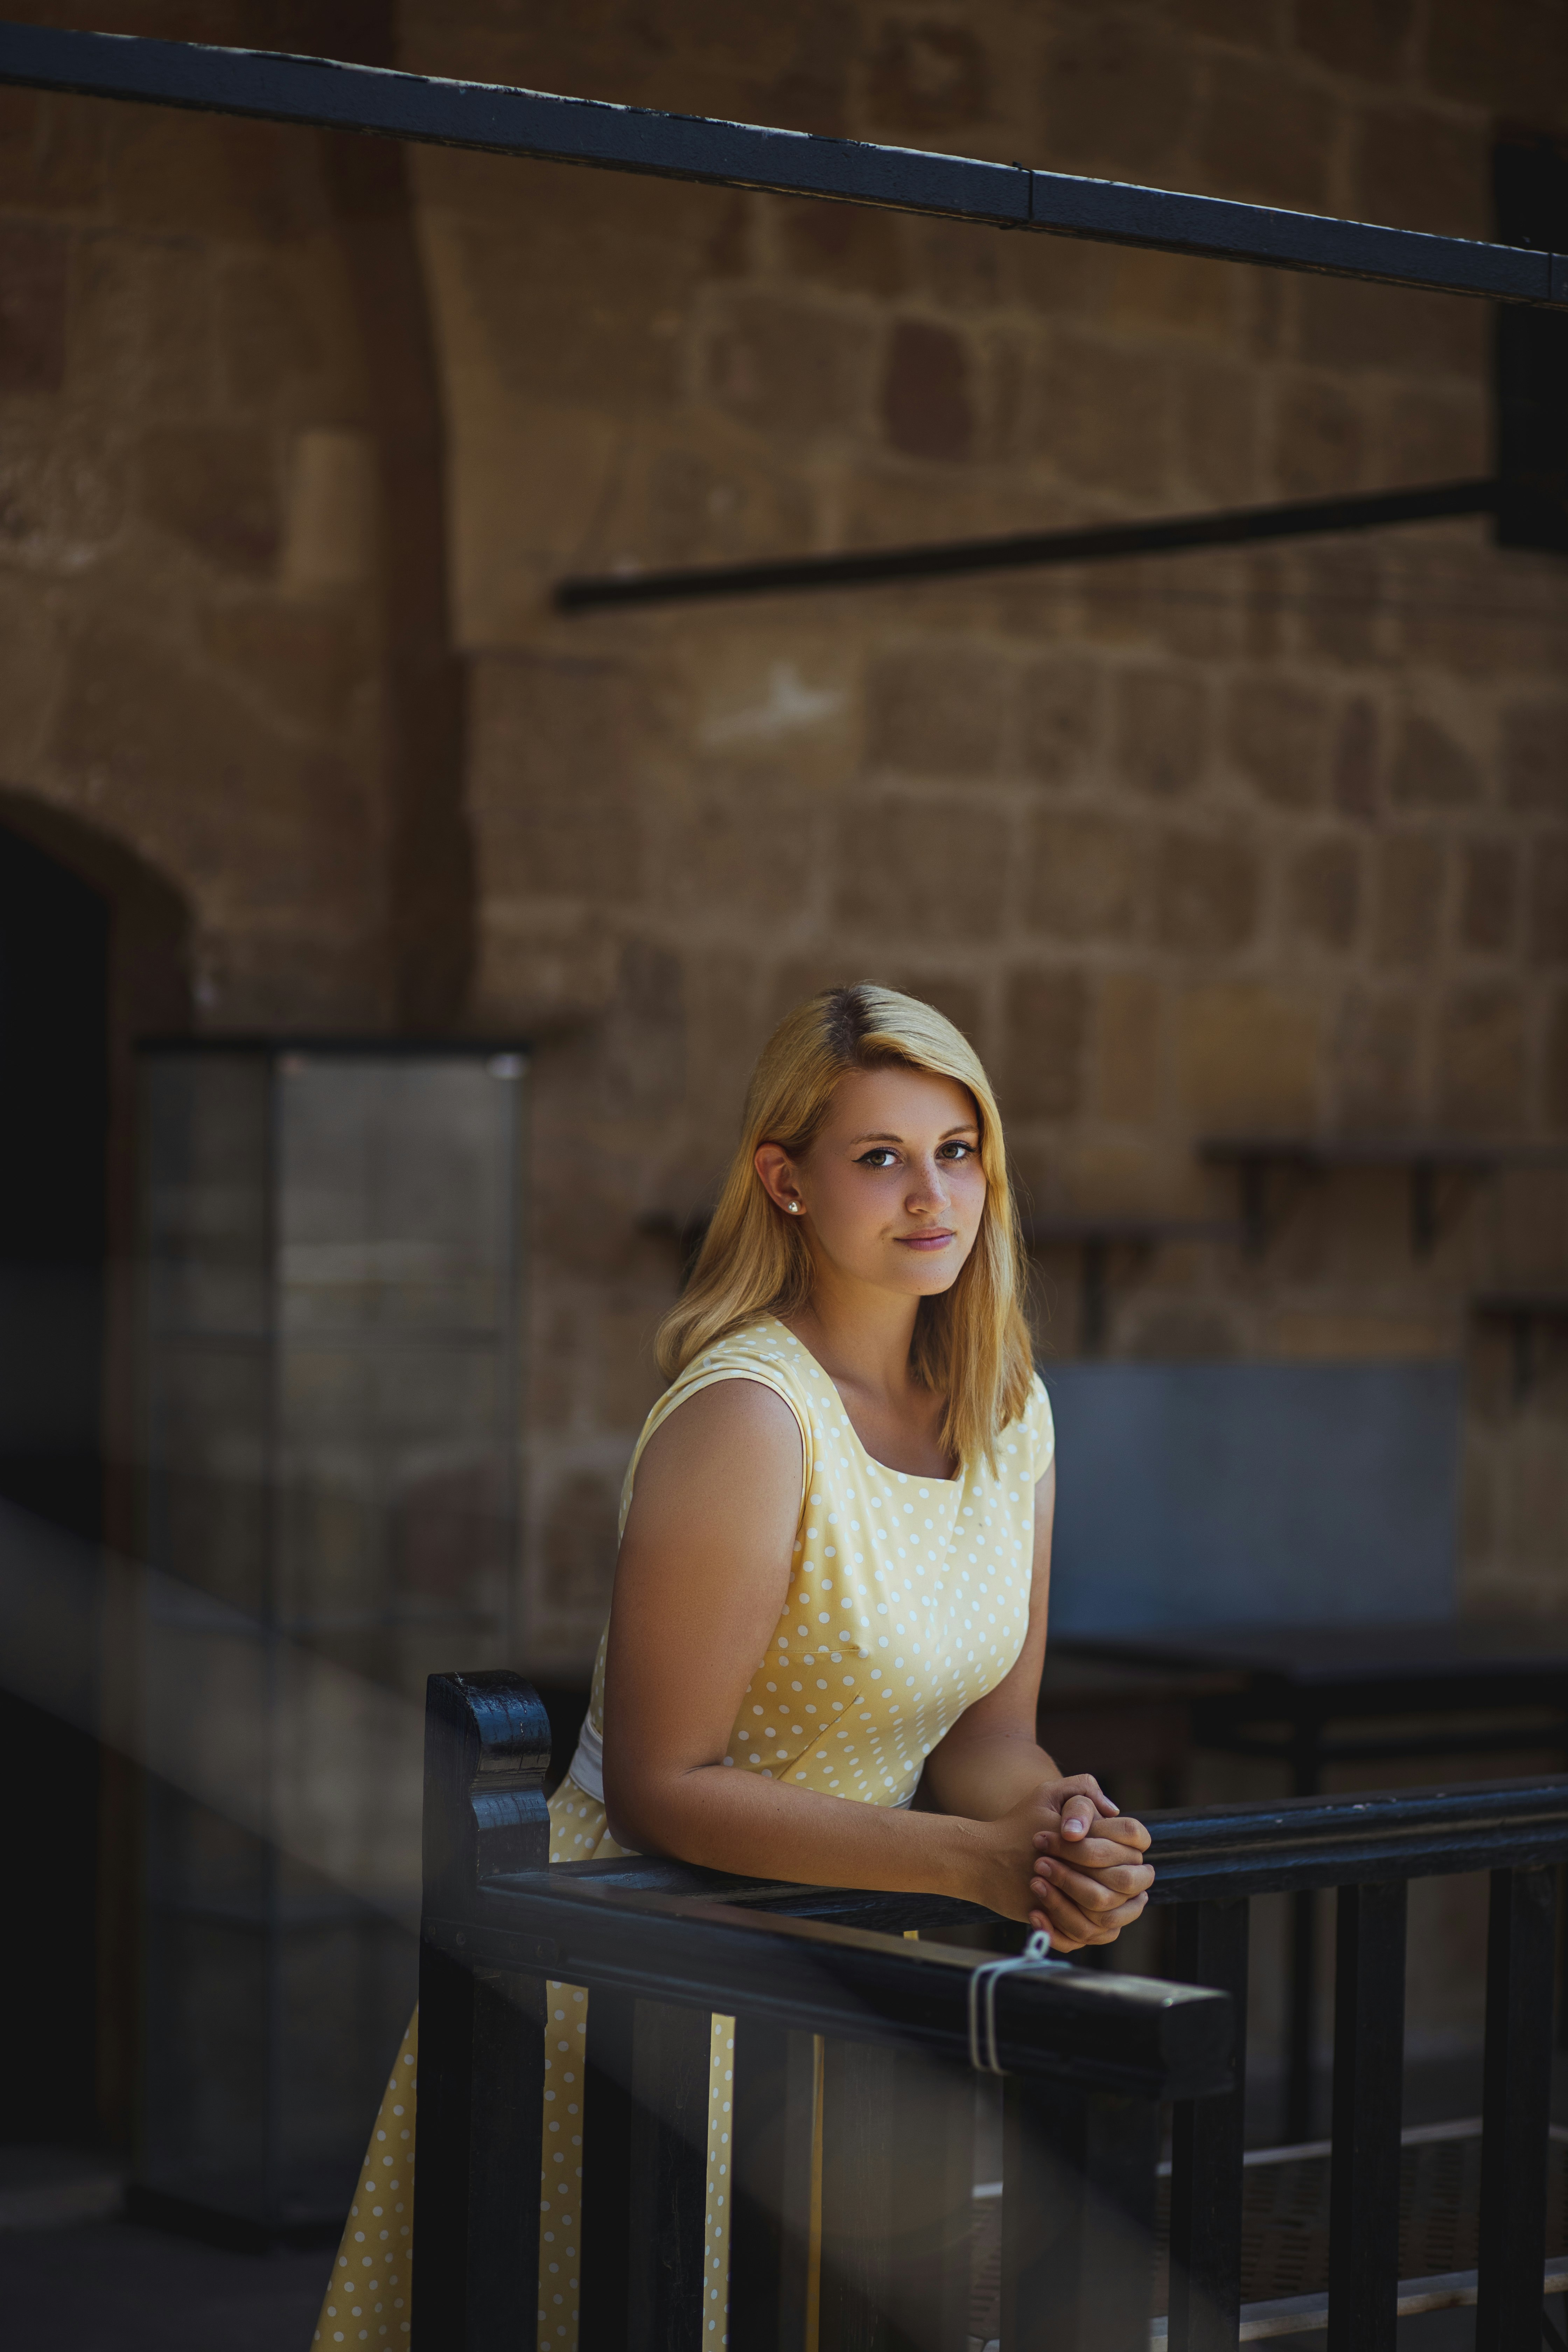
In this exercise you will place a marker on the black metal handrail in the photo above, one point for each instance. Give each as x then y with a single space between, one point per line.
1087 2059
1087 2054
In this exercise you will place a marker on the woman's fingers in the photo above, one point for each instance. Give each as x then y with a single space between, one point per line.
1090 1853
1101 1892
1071 1927
1119 1827
1079 1803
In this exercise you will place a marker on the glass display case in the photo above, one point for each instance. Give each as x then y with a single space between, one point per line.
331 1287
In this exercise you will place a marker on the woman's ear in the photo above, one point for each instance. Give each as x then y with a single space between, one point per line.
773 1166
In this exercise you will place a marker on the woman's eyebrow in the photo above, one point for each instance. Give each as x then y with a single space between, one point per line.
965 1127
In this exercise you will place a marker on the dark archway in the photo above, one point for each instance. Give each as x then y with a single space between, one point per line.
93 953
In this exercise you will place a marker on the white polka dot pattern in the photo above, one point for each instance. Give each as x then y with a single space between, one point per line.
909 1600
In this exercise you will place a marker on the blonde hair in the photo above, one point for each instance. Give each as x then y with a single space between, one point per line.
971 1343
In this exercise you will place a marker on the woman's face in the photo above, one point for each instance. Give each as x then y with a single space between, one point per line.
891 1191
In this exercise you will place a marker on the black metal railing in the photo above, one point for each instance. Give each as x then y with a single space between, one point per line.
1211 1864
1087 2059
852 2038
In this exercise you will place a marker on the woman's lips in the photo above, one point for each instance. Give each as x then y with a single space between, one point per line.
924 1241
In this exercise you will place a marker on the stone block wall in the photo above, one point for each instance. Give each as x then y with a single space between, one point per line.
1218 843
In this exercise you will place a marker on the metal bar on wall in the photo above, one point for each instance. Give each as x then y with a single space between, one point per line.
1013 550
501 121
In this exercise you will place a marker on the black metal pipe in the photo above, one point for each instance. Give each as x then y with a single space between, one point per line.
500 121
1031 549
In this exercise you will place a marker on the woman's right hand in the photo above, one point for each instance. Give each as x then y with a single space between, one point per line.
1049 1862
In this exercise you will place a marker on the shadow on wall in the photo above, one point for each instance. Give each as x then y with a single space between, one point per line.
1261 1493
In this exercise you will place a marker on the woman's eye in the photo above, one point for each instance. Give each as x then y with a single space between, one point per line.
959 1151
877 1157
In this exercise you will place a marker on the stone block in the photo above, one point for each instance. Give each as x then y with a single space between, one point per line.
1438 436
1045 1025
273 342
939 709
263 831
555 787
1170 294
1103 417
740 837
1549 900
1267 135
580 1540
926 76
1160 724
31 649
1342 324
1320 438
1418 168
908 868
1535 757
1208 892
1085 877
332 511
33 266
1503 57
1217 432
1355 761
1277 733
630 1382
961 1001
1342 606
927 405
1554 1098
1130 1050
640 1066
216 488
946 265
1408 897
1324 893
143 319
1376 1057
1118 94
1489 895
1431 770
1369 38
1480 1057
1061 703
850 247
788 367
51 150
1247 1058
307 663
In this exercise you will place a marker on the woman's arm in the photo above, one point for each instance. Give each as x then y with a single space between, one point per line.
703 1572
1090 1881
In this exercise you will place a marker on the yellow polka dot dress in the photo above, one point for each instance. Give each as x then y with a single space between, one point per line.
909 1600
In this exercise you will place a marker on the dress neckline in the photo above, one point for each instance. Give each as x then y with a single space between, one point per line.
928 1476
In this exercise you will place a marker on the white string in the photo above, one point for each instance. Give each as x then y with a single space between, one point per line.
1036 1954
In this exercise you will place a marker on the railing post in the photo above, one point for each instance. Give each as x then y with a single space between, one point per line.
1208 2142
773 2134
1516 2108
897 2199
603 2320
481 2043
1077 2218
1369 2064
668 2168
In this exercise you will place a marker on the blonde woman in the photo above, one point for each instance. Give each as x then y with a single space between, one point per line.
829 1612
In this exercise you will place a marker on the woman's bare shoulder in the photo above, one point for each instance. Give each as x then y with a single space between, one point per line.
739 1422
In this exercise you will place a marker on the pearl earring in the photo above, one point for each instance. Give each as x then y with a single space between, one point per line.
794 1208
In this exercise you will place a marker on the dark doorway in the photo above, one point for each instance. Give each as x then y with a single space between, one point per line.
54 1087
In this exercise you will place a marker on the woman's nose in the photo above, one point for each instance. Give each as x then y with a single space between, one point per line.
926 1184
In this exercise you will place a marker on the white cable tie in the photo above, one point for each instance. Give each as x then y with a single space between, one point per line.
1036 1954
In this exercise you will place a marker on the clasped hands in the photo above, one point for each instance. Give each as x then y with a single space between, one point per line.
1071 1863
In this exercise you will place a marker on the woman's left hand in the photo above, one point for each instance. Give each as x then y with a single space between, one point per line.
1090 1880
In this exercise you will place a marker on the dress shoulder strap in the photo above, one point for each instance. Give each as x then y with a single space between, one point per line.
762 1351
